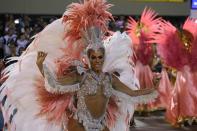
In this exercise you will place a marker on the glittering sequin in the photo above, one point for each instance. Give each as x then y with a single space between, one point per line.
90 86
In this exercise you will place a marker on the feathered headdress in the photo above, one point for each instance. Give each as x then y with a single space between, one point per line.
190 25
142 32
85 28
88 21
147 26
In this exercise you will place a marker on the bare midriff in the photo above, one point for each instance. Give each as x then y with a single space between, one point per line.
96 104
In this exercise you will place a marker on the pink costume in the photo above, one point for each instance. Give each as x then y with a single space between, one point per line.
175 49
141 33
164 89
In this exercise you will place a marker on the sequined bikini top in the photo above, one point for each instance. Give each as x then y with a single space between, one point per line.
91 82
89 86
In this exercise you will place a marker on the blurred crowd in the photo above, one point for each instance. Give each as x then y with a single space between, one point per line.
16 31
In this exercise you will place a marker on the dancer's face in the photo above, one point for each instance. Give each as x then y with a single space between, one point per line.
96 58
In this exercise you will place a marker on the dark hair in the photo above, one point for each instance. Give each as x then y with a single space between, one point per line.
90 50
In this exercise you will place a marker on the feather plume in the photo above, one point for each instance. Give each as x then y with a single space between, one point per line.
190 26
81 16
112 112
170 46
142 33
53 106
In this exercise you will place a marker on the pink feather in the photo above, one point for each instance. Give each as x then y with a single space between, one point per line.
82 16
67 59
53 106
142 33
190 25
112 112
170 46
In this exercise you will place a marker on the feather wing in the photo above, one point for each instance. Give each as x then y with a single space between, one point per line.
170 46
22 96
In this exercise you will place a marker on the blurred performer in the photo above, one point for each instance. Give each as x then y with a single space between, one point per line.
141 33
166 82
65 79
177 50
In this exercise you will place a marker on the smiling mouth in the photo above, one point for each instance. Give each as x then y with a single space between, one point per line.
98 65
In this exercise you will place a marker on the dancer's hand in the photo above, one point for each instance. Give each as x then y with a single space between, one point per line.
40 59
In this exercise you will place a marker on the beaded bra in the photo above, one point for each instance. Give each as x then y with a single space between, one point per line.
89 86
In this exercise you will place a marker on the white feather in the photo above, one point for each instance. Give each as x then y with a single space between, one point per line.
20 85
